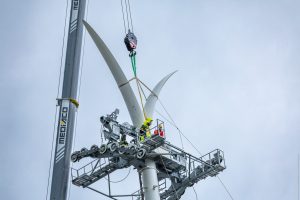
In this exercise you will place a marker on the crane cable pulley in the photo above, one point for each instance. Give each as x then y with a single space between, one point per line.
130 41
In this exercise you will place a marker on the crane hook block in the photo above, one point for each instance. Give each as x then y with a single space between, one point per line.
130 41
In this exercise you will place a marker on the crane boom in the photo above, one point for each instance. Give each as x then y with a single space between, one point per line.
68 103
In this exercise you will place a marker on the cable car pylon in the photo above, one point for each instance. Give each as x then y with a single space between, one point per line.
157 160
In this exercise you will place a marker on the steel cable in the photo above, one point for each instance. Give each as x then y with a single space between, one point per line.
123 16
126 6
130 15
121 180
182 146
174 124
175 191
181 133
195 193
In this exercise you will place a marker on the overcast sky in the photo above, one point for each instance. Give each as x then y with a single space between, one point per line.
237 89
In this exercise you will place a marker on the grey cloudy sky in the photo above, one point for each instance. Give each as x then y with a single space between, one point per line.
237 88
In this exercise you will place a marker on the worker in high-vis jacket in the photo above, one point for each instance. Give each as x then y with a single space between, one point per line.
145 130
160 131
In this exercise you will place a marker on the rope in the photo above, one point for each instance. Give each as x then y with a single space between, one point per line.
121 179
141 99
127 14
130 15
174 124
143 91
121 85
179 131
148 88
58 92
225 187
127 22
115 181
133 64
195 193
169 177
171 124
164 109
123 16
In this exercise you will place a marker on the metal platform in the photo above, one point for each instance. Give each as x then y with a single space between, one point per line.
92 172
198 169
174 164
182 175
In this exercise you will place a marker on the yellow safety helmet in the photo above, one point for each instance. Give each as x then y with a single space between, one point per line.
148 121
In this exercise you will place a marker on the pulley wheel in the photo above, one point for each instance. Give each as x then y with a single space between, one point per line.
74 157
141 153
122 149
102 148
132 149
94 147
83 150
113 147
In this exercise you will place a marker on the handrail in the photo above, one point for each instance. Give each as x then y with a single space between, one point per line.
92 167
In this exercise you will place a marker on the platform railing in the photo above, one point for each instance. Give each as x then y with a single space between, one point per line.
88 168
